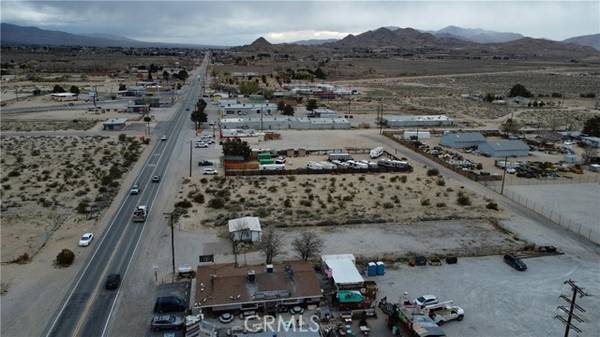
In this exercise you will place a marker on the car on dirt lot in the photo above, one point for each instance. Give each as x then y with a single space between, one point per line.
86 239
426 300
515 262
200 145
209 171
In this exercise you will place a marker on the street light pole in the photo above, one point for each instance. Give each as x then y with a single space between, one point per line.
190 158
504 174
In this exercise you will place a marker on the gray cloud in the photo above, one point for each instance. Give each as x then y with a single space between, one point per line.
235 23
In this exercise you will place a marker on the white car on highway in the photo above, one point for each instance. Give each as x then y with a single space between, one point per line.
86 239
209 171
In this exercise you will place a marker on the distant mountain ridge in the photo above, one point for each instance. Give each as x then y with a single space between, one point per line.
15 34
586 40
477 35
313 42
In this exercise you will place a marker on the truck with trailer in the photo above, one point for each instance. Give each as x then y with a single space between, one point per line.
140 213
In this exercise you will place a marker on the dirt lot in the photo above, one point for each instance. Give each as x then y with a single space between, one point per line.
54 183
330 199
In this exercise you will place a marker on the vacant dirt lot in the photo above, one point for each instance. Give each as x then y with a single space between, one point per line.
330 199
52 183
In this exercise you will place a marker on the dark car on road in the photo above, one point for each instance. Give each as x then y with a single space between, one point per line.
205 163
155 179
166 322
113 281
515 262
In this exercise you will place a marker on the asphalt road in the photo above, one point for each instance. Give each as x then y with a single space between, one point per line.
87 307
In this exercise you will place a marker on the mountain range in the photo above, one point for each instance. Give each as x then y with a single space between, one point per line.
14 34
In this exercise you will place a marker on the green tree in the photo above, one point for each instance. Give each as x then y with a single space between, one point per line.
248 87
280 105
311 104
236 147
519 90
58 89
165 75
591 127
122 87
288 110
320 74
182 75
268 93
510 126
198 115
74 90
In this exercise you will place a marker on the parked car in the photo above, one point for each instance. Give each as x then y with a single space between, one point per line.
135 189
169 304
426 300
200 145
112 281
205 163
280 160
156 179
166 322
209 171
515 262
86 239
447 313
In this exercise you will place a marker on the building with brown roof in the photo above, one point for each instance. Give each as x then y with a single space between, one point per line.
263 288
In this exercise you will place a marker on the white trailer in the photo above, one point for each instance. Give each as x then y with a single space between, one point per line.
358 165
342 156
327 165
311 165
376 152
272 167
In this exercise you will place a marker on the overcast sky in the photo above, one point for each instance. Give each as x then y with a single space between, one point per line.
237 23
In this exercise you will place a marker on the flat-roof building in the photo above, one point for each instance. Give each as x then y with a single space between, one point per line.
342 270
266 288
504 148
247 108
321 113
281 123
461 140
114 124
400 121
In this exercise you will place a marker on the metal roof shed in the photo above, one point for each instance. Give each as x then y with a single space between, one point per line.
245 229
461 140
504 148
342 269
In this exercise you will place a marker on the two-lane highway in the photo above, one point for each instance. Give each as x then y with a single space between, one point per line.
87 307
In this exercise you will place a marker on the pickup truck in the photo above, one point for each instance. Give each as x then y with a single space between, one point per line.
140 213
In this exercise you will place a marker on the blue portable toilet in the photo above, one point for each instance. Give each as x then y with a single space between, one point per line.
372 269
380 268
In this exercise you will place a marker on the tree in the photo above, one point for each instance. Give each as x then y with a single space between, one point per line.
199 117
150 75
165 75
270 244
311 104
591 127
122 87
65 258
320 74
280 105
589 154
307 245
58 89
268 93
237 147
510 126
288 110
519 90
488 97
248 87
74 90
182 75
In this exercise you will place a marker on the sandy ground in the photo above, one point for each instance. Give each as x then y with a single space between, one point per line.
45 179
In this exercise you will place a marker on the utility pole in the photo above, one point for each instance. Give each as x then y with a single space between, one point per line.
380 118
570 312
95 94
171 217
190 158
504 174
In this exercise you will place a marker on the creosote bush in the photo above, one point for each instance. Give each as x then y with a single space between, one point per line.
65 258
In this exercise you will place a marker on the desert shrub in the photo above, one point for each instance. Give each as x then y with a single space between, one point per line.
183 204
463 200
14 173
65 258
198 198
6 187
432 172
291 178
82 206
272 189
440 204
203 181
492 205
216 203
441 182
361 178
403 179
306 203
22 259
287 203
122 137
388 205
425 202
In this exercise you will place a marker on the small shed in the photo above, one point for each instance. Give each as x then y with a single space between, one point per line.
461 140
342 269
114 124
245 229
504 148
